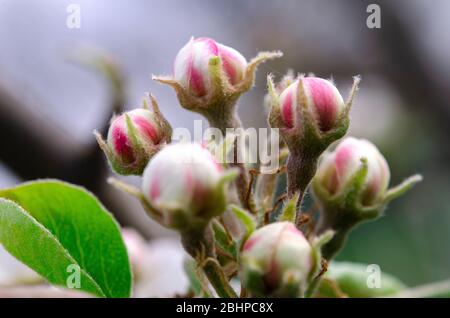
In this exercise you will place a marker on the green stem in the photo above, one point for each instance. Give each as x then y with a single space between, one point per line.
217 278
313 287
300 171
330 249
223 117
199 243
341 222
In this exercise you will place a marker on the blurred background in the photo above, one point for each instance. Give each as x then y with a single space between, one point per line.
50 103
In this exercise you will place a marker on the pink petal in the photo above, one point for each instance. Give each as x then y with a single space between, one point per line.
121 142
287 111
323 97
146 127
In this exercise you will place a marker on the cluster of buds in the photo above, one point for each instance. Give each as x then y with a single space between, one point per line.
134 137
209 77
351 184
184 188
278 261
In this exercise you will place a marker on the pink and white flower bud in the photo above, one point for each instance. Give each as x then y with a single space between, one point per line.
130 148
338 168
275 258
322 99
182 182
191 67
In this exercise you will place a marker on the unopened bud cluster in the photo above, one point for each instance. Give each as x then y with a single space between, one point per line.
186 189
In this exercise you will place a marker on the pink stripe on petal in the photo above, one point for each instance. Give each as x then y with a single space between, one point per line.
251 242
210 44
290 228
287 111
230 70
323 97
343 158
196 81
146 127
234 64
230 65
121 142
155 190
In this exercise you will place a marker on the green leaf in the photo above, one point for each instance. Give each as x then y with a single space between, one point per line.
351 279
51 225
246 218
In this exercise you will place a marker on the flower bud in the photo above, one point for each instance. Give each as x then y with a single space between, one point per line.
351 186
277 260
184 183
191 67
338 168
209 78
133 138
322 100
311 115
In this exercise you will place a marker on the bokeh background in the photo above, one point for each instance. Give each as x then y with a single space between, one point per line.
50 104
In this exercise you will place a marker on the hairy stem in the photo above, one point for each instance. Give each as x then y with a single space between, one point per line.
330 249
225 117
218 280
199 243
341 226
300 171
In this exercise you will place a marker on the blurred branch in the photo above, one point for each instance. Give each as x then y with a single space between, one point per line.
33 148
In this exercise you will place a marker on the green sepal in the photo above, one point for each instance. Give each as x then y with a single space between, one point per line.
289 211
247 219
224 240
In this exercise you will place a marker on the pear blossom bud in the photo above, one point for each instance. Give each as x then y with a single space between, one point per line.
322 99
184 183
351 186
311 115
209 78
337 169
277 260
192 70
133 138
